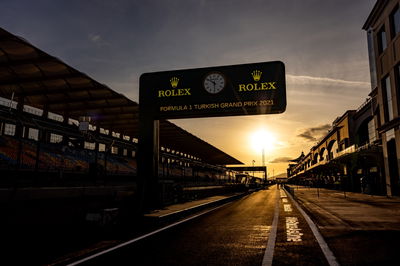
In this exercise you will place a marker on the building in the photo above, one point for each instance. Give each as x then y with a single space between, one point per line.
365 144
348 157
383 34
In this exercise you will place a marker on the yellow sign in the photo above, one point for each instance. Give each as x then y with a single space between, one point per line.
174 82
257 86
174 92
256 74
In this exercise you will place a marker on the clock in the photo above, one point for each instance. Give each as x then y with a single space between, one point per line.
214 82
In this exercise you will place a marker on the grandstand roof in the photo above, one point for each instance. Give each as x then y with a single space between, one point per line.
44 81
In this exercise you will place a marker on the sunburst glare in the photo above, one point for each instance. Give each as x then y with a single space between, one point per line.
263 140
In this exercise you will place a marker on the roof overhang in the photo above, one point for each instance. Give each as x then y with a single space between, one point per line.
45 82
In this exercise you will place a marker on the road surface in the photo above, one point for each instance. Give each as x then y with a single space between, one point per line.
242 232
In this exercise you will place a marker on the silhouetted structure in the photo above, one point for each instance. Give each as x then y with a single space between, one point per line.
370 136
348 152
383 28
66 137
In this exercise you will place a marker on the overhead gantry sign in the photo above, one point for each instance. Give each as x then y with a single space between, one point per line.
248 89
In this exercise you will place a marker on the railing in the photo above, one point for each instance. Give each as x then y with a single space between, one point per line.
352 149
348 150
367 146
367 101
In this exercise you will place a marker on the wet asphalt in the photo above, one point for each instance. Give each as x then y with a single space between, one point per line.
235 234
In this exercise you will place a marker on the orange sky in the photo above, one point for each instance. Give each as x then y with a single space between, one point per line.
312 105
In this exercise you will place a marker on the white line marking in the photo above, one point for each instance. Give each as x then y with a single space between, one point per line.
269 251
330 257
142 237
194 207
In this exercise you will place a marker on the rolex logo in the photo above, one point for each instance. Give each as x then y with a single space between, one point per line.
256 75
174 82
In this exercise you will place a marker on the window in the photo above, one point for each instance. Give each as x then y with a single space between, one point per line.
371 131
114 150
389 135
387 98
9 129
102 147
104 131
371 57
395 22
397 83
33 133
55 138
89 145
382 43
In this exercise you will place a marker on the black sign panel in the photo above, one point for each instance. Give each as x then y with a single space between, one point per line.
248 89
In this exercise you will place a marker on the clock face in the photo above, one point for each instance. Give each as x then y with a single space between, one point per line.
214 82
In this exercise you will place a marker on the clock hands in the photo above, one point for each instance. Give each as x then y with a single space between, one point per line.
214 83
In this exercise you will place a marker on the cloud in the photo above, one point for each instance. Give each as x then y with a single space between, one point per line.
314 133
97 39
324 81
307 136
325 93
281 160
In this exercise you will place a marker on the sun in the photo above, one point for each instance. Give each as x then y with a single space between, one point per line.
262 140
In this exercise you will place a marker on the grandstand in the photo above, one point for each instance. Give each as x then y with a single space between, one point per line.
61 128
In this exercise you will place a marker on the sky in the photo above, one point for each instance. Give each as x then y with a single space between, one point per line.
321 43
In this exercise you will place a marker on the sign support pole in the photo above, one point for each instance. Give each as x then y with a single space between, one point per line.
148 160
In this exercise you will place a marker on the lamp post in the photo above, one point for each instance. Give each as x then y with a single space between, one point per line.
263 164
263 157
253 167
